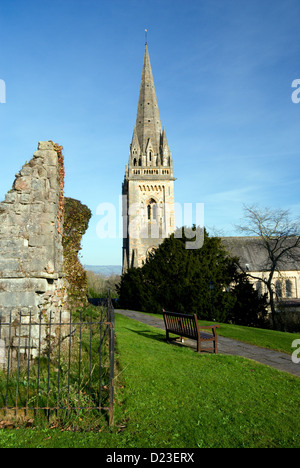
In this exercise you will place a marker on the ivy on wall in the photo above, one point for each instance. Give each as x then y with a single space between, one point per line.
76 222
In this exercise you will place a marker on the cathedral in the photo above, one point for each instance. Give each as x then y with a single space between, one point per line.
148 187
148 201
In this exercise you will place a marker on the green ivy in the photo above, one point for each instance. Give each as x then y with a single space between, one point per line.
76 221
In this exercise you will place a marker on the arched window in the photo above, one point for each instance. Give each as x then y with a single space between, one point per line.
152 210
288 288
278 288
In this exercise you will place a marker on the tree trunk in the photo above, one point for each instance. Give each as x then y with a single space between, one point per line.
272 305
271 294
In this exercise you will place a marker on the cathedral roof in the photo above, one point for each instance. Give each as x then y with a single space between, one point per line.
253 255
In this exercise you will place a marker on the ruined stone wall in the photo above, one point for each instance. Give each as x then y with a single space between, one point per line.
32 285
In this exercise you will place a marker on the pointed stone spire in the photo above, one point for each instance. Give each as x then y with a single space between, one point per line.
148 125
165 152
135 151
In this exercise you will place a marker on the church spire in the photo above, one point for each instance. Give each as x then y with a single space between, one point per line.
148 187
148 124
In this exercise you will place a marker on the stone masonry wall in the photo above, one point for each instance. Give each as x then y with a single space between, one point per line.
32 286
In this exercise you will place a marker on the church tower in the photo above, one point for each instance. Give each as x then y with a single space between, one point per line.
148 188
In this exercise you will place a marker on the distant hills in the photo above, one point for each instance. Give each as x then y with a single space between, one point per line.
105 270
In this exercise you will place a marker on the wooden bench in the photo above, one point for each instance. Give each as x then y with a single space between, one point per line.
187 326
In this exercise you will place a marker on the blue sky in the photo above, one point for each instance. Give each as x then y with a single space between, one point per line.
223 71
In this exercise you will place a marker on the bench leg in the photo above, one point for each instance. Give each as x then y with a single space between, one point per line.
216 346
199 346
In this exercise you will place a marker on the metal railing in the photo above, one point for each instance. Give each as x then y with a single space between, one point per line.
69 376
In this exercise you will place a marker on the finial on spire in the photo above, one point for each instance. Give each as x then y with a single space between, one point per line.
146 36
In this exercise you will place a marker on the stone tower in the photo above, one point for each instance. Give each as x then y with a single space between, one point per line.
148 188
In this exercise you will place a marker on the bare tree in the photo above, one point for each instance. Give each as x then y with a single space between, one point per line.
99 284
278 238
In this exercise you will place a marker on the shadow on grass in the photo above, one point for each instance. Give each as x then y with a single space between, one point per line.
162 339
149 334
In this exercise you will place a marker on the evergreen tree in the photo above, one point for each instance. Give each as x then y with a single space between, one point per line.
250 308
190 281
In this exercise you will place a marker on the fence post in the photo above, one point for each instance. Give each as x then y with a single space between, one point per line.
111 318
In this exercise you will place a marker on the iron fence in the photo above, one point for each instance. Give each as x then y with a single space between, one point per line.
62 370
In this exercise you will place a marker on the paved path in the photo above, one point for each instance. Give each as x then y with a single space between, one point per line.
271 358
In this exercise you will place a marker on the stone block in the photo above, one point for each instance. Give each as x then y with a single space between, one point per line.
21 209
38 285
37 207
38 158
50 269
9 266
52 196
39 172
22 184
3 208
53 182
10 245
26 170
11 197
46 229
45 145
52 172
19 299
37 240
50 158
23 330
22 343
50 276
38 185
25 198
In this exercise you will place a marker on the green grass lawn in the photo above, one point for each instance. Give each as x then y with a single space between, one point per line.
171 397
